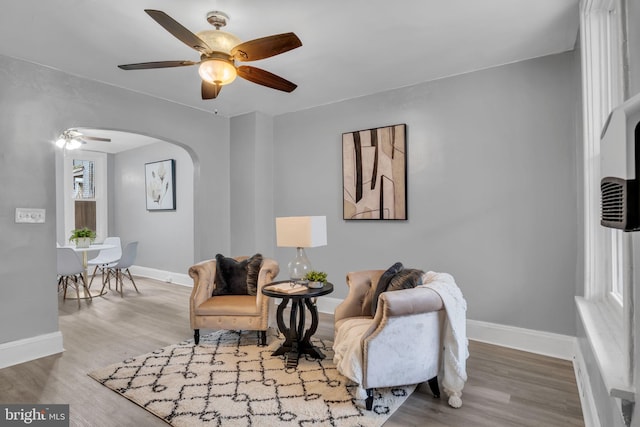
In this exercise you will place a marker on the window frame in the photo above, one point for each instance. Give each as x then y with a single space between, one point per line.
606 310
101 191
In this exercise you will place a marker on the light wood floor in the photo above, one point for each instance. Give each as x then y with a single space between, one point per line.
505 387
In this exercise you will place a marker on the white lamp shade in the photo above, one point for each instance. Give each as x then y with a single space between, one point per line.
301 231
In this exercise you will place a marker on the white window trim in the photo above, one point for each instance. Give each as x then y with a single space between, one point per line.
607 321
100 160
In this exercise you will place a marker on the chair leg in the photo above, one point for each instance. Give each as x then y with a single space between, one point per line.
369 401
104 281
262 335
65 283
119 280
106 276
93 275
86 288
131 278
433 385
75 283
110 274
196 336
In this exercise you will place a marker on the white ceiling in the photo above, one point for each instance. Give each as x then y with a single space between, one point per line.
351 48
120 141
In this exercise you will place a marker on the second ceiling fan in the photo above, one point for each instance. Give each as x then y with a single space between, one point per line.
218 52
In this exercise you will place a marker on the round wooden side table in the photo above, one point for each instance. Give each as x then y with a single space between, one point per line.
297 340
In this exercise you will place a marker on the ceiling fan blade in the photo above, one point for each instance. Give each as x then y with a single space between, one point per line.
210 90
95 138
265 78
179 31
157 64
265 47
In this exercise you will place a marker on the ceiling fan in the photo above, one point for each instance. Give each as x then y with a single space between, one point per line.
72 139
218 52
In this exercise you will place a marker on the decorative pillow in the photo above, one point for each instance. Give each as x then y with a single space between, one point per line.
383 283
253 270
405 279
237 277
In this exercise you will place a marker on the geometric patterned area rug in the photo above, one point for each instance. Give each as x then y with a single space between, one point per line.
227 380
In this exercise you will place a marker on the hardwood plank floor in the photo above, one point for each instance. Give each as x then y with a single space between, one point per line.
505 388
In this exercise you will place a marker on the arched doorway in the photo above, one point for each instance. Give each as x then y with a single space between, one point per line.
115 199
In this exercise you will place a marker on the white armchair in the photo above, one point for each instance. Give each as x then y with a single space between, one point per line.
400 345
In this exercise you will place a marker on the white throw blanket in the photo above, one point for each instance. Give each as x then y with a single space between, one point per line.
455 341
347 351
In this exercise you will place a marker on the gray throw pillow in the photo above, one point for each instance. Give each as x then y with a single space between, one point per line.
383 283
237 277
405 279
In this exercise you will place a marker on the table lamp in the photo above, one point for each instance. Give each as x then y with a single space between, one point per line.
301 232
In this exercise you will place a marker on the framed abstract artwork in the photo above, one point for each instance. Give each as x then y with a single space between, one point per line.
374 174
160 185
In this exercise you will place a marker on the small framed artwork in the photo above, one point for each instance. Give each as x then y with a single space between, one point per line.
160 185
374 174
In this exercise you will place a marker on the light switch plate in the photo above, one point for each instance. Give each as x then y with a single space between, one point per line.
30 216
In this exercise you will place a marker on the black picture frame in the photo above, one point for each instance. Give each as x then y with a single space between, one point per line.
160 185
374 174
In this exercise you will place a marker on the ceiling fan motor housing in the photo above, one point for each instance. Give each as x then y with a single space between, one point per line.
217 19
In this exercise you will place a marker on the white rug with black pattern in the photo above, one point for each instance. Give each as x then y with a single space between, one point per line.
227 380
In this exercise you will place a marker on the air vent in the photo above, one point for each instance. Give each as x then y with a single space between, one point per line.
618 195
612 201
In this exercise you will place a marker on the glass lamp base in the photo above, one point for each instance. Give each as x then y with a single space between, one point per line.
300 265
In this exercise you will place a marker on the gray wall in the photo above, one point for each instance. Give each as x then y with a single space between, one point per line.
491 182
252 171
36 104
165 237
491 187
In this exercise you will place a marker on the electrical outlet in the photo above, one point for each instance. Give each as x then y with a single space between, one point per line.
30 216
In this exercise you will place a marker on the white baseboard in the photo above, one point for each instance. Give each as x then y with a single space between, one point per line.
587 401
539 342
162 275
25 350
327 304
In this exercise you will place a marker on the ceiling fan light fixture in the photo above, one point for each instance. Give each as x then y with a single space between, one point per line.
69 140
219 41
68 143
73 144
218 71
61 142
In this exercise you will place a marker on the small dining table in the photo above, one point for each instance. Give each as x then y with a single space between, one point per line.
85 274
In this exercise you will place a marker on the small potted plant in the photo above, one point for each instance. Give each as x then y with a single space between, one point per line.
82 237
316 279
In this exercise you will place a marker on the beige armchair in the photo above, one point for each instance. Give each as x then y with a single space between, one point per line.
233 312
400 345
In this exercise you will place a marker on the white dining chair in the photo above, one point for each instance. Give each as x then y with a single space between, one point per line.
105 257
70 267
120 267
